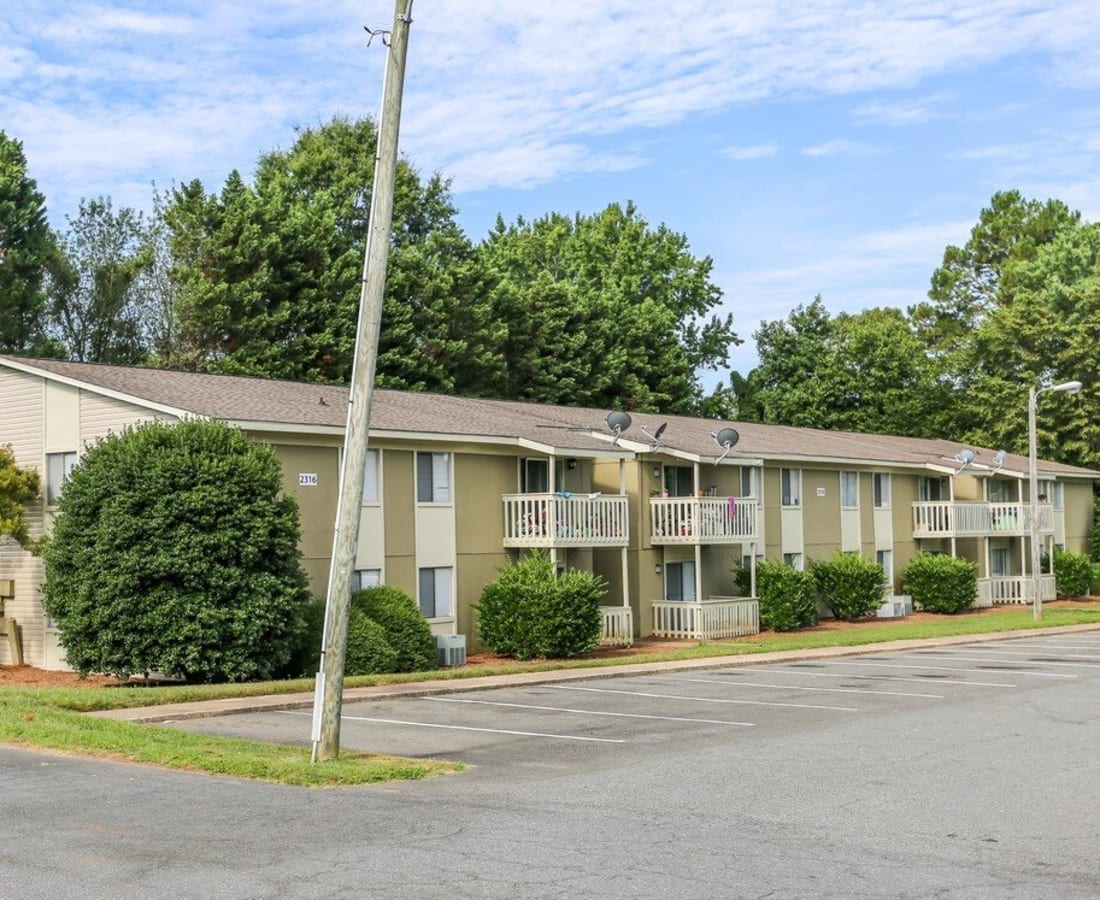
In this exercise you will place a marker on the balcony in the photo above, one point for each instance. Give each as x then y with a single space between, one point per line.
702 520
564 520
706 620
1002 590
944 519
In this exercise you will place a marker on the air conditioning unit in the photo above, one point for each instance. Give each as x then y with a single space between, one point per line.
452 649
895 608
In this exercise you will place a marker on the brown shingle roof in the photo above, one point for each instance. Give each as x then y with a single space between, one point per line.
298 405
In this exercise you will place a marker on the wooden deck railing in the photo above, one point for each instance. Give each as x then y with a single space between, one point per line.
702 520
706 620
565 520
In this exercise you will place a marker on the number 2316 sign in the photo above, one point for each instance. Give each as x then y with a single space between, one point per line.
307 479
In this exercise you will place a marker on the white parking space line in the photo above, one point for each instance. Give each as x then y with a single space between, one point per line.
591 712
1036 651
1002 659
795 687
1042 645
561 737
904 678
566 687
872 665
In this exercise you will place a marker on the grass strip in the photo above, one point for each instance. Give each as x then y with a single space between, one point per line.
29 719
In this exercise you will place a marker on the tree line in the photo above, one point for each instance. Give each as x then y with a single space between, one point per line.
262 277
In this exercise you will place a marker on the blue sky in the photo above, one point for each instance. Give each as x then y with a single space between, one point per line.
816 147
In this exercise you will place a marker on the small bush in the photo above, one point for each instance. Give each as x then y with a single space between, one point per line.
1072 573
742 580
369 651
787 597
405 629
1095 579
529 611
851 585
941 584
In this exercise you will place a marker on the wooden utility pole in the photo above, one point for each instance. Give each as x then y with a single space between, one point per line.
329 688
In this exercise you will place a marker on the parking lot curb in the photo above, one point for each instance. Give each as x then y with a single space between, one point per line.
200 709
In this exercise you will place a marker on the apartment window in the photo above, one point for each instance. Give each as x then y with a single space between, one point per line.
433 477
885 558
882 489
58 467
680 481
435 592
1000 560
680 581
1000 491
790 485
371 481
1058 495
748 481
794 560
931 489
361 579
534 476
849 490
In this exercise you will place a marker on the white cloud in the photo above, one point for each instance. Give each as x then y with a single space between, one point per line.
750 152
840 147
901 112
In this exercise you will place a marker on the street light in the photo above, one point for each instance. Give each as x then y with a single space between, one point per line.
1069 387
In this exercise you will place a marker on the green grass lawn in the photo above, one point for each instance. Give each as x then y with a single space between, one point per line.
53 719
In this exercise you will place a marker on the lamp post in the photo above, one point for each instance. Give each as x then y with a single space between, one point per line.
1069 387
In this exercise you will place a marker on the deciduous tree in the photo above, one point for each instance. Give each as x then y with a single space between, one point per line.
604 310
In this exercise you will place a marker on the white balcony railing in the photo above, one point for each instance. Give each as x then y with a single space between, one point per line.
565 520
1002 590
702 520
706 620
969 519
618 626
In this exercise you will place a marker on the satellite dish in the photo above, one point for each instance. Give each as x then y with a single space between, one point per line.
618 422
999 459
656 436
725 438
965 458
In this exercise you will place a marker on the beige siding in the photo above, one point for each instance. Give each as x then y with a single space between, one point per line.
21 425
1078 516
101 415
316 504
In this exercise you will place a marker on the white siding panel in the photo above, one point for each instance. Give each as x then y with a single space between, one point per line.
21 425
100 416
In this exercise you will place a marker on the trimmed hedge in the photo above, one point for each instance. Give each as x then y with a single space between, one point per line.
405 629
787 597
851 586
1094 536
941 584
1072 574
529 611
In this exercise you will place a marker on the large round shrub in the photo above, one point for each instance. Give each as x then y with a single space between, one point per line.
530 611
941 584
174 550
851 586
786 596
404 628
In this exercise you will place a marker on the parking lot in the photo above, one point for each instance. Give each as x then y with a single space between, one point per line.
607 720
962 772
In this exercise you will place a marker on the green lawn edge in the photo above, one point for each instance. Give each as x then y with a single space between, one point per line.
52 719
